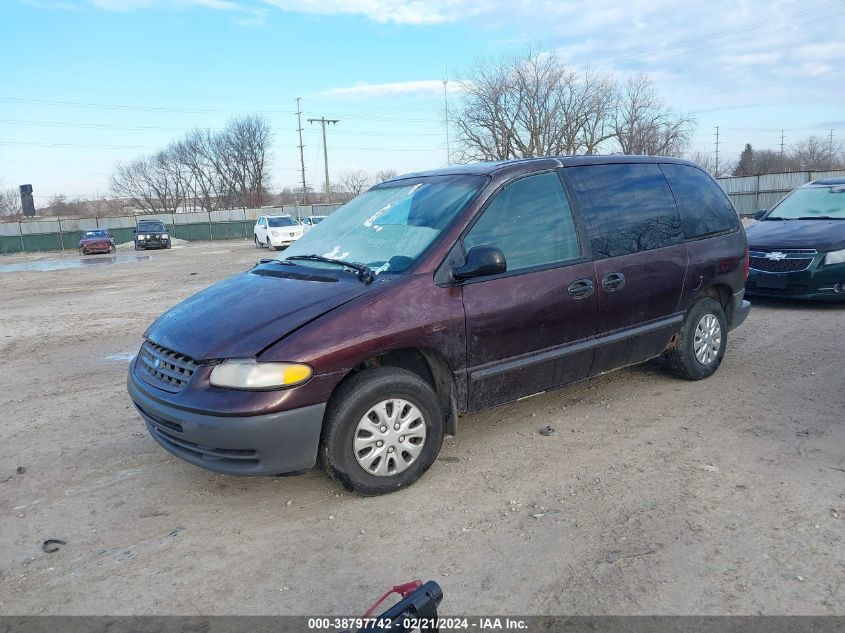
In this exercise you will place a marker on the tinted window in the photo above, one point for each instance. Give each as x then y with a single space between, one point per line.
704 207
151 226
277 222
530 221
628 208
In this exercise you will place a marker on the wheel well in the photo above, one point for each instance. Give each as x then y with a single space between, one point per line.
428 365
720 293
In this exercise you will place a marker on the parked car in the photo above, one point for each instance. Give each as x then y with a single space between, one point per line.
96 241
275 231
312 220
151 234
798 247
442 293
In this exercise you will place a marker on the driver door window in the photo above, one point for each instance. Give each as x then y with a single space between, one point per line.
530 221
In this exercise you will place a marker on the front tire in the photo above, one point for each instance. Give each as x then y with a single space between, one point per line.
383 430
701 343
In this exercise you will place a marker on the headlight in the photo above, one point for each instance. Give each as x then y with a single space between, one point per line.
164 236
250 374
275 233
835 257
145 237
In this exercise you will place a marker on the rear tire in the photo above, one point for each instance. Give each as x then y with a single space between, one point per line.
257 243
354 426
701 343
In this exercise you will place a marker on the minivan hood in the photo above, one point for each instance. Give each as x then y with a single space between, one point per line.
241 316
822 235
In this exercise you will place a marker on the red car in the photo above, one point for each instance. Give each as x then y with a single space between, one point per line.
96 241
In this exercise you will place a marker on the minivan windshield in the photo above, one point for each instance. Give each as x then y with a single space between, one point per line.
810 203
282 221
388 227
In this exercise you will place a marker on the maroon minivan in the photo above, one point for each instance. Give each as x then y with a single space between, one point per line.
442 293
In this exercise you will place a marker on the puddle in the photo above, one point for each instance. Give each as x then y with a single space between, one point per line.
63 264
123 358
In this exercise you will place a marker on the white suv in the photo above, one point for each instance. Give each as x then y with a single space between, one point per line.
275 231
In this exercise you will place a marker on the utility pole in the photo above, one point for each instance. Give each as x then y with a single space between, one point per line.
301 151
781 150
717 152
446 106
323 120
830 151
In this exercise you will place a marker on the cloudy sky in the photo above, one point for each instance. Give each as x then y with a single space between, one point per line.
86 83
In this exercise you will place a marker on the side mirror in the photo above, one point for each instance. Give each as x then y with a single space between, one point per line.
480 262
759 214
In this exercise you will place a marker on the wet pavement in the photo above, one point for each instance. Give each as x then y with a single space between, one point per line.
46 265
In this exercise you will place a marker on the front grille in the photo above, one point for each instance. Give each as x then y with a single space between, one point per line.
780 265
164 368
789 291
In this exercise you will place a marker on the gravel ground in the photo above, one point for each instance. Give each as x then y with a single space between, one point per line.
653 496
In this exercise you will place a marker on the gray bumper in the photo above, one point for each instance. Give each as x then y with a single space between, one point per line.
253 445
739 310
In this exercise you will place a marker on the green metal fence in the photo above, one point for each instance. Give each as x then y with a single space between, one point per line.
57 235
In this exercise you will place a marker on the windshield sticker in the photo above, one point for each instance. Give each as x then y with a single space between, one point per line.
381 269
336 254
368 223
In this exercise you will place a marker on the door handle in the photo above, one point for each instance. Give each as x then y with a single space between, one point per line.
581 288
612 281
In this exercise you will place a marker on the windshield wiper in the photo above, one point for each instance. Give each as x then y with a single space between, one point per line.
818 217
774 217
364 273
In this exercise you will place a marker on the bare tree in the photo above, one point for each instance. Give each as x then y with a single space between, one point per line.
535 105
645 126
204 169
706 161
10 204
384 174
814 153
354 181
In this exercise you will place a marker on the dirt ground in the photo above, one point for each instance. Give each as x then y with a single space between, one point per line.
653 496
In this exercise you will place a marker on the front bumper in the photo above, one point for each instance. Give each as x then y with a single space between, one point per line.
96 248
815 283
283 240
270 444
153 242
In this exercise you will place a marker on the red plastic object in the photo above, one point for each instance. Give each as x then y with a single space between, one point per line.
404 590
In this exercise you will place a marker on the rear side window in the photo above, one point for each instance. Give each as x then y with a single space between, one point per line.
705 209
627 208
530 221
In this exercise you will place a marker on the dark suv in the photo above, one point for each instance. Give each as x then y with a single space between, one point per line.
151 234
442 293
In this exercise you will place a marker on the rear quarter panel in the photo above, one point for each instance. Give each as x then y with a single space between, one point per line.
718 260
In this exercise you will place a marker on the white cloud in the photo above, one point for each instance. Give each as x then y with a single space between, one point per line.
397 11
399 88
